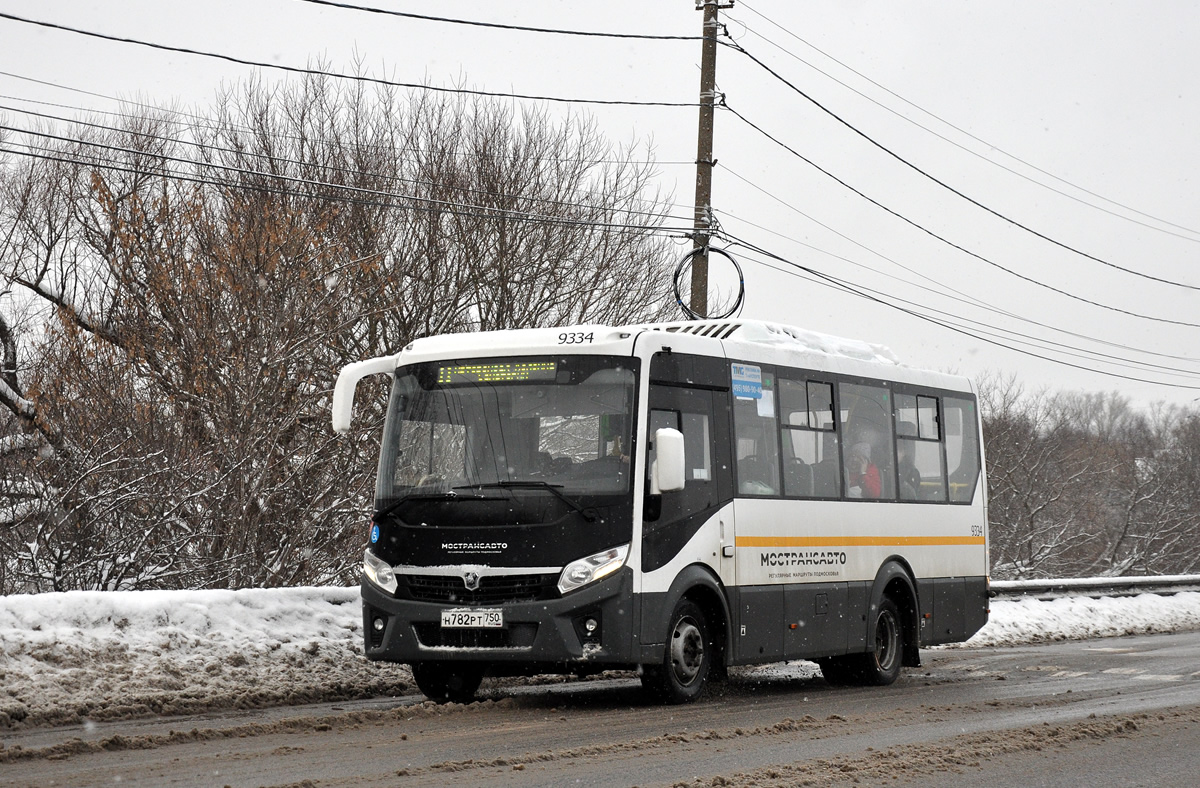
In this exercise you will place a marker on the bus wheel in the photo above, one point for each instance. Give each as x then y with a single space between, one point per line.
448 682
687 657
881 665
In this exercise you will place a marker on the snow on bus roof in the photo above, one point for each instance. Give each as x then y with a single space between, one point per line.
754 332
783 336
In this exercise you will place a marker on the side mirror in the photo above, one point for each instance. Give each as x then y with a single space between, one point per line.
669 471
343 390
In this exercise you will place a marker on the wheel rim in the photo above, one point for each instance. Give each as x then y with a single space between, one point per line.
687 651
887 640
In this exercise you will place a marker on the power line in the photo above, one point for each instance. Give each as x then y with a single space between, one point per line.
995 310
957 329
355 77
989 308
1028 339
968 134
949 320
737 47
943 288
207 122
424 204
948 242
521 28
327 168
844 237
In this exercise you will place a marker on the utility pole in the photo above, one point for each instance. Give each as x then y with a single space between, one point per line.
704 160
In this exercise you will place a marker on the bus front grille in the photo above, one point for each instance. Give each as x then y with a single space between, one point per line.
493 589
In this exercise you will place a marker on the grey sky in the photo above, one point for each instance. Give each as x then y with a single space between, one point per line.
1101 96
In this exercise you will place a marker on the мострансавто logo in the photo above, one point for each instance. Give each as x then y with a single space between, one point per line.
810 558
474 547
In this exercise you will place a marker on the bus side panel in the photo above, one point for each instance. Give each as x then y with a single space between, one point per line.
799 621
978 605
815 620
809 621
858 606
758 633
952 608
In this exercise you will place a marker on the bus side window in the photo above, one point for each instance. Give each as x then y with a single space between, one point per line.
809 443
756 436
918 449
868 455
962 448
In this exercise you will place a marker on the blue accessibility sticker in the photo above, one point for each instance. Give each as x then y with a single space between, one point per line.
374 533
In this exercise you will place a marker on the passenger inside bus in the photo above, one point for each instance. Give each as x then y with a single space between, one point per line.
862 475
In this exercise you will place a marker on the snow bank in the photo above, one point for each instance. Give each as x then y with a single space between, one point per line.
70 657
1029 620
99 655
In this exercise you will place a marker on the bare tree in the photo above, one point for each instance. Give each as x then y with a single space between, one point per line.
1082 484
203 280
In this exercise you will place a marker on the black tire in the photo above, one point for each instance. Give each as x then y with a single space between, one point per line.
687 657
448 682
881 665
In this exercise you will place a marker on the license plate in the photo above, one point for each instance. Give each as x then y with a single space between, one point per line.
472 619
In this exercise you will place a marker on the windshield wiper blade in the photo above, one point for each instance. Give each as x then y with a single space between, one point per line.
445 495
531 484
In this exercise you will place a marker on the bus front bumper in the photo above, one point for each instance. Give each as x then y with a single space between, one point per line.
591 628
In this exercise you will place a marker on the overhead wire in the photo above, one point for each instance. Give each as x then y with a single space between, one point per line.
947 241
734 241
549 98
990 146
996 331
204 121
789 206
941 287
423 203
500 26
934 179
283 159
354 77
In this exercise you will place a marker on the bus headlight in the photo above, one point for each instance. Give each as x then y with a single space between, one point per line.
379 572
588 570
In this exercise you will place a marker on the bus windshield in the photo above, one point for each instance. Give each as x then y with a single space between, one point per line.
468 427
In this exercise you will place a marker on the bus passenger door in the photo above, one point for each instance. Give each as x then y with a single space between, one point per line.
672 519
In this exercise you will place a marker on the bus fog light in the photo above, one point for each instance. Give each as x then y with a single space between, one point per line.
588 570
590 625
378 624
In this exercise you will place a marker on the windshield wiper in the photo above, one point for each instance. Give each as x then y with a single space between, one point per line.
445 495
531 484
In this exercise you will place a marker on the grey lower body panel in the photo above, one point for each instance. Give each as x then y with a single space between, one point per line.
799 621
952 608
771 623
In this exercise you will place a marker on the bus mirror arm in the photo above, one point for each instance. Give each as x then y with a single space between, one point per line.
668 472
347 381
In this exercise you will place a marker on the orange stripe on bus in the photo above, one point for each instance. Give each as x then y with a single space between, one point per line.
858 541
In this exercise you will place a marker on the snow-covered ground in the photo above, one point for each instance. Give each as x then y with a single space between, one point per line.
77 656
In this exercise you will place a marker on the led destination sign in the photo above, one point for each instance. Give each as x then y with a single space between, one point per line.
497 372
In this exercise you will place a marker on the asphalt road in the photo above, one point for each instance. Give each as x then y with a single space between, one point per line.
1122 711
